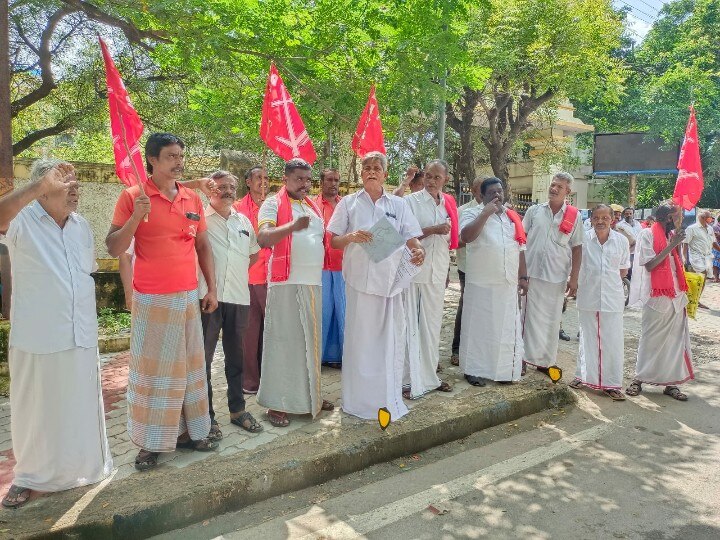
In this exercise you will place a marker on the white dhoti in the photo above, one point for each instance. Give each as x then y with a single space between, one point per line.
541 321
601 355
423 303
290 378
58 419
373 355
664 356
491 344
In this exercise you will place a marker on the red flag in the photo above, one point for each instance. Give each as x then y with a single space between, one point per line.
368 135
125 126
689 185
281 127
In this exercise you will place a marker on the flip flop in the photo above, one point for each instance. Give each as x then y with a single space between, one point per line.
634 389
20 494
444 387
146 460
278 419
615 395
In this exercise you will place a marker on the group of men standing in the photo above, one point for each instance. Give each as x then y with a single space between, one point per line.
288 282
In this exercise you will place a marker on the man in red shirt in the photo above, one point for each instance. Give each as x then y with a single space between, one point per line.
333 284
257 182
167 390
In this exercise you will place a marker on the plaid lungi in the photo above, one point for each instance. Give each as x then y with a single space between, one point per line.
167 390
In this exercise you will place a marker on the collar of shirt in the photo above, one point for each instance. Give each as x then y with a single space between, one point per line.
40 212
562 208
363 193
424 193
151 190
210 210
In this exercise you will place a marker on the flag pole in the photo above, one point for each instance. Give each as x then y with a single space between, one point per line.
263 163
132 161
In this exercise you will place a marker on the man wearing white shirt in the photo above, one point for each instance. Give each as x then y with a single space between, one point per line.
58 422
698 243
630 228
460 258
554 251
424 298
600 304
491 345
664 357
235 249
375 328
292 225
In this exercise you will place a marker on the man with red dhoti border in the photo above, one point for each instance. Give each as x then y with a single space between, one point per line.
658 286
555 235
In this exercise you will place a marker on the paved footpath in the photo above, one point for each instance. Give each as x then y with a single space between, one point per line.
705 332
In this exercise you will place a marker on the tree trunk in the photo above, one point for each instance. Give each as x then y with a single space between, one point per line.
460 118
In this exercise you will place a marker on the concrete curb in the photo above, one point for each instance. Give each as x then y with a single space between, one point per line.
165 499
116 343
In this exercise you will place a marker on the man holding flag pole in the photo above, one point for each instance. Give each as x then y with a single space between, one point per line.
658 286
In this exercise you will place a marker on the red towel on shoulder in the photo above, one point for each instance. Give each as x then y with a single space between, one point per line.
661 281
520 235
280 267
451 209
568 220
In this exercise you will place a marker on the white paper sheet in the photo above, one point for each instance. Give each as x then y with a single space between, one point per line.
406 271
385 240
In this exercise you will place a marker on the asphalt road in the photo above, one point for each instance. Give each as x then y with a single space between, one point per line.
646 468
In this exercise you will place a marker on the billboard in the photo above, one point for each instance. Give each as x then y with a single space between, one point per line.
630 153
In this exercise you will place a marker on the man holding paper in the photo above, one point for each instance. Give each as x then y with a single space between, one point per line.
437 214
375 332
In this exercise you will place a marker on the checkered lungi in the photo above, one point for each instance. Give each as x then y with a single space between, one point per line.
167 390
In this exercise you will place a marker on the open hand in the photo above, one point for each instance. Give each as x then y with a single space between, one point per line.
60 179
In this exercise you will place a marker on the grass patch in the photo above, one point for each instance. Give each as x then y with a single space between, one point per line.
111 322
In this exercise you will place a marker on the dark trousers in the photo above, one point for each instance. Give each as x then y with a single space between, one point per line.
458 315
232 320
254 337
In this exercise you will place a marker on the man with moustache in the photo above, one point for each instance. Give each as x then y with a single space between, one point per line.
491 346
256 180
600 304
554 250
167 388
375 328
57 422
234 249
664 357
291 224
629 227
436 213
333 284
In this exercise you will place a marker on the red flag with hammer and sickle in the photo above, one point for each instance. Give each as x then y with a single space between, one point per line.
281 127
689 185
368 135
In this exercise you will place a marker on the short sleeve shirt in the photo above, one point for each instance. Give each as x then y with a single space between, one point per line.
357 211
631 230
549 252
437 247
600 286
233 240
461 252
699 239
53 293
307 253
165 258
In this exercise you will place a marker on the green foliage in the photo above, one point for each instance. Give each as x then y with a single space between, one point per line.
113 322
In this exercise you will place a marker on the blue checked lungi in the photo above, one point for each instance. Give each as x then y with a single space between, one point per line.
167 387
333 316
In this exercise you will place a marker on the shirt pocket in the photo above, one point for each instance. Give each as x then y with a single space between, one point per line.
559 238
81 256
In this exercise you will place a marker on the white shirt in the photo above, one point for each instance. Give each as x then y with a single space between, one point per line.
307 253
631 230
699 239
587 224
53 294
460 253
493 257
640 283
437 247
600 286
549 252
357 212
233 240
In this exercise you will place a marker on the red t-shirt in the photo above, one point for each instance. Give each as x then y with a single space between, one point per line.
333 257
257 273
165 258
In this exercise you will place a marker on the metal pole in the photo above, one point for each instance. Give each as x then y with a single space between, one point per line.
441 122
6 154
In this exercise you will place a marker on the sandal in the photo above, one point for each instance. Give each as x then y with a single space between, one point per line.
245 417
407 394
201 445
444 387
576 384
215 433
616 395
278 419
19 495
439 369
455 359
634 389
475 381
675 393
146 460
327 405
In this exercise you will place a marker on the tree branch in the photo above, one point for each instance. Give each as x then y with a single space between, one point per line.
31 138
